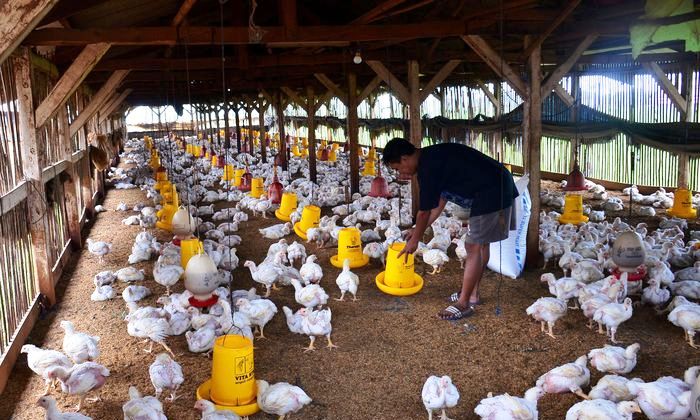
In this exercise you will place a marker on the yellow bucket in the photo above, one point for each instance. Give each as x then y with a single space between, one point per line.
237 177
349 247
188 249
369 169
228 173
215 161
400 278
305 142
257 187
287 206
683 205
165 217
332 156
573 210
233 371
335 146
310 217
189 149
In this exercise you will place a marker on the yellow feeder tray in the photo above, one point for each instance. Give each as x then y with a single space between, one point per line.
232 385
165 217
188 249
349 247
573 210
238 177
683 205
287 206
257 187
310 217
400 278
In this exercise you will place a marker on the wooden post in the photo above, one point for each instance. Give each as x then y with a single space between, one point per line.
414 122
70 186
574 118
210 134
279 109
261 122
218 126
227 129
687 116
238 130
311 124
251 138
31 164
533 153
353 134
20 17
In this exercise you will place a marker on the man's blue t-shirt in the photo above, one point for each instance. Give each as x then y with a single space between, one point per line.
465 177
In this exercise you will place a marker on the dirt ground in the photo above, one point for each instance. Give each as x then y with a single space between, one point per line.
388 346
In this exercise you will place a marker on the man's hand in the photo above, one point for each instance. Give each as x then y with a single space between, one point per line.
408 234
408 249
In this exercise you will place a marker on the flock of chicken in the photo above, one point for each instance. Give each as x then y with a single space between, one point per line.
582 253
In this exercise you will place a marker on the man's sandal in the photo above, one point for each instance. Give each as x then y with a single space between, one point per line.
453 313
454 297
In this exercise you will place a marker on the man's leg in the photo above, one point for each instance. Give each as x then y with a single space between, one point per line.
473 269
485 254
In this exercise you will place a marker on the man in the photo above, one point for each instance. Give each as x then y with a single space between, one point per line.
477 184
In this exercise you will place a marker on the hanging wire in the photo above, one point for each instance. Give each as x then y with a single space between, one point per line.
500 243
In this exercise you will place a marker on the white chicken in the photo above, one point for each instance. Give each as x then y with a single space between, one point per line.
153 329
296 252
612 388
666 398
309 296
167 275
687 316
310 271
265 274
614 359
508 407
262 206
209 411
547 310
689 289
202 340
104 278
142 408
80 347
689 273
52 412
276 231
436 258
41 360
99 248
569 377
281 398
259 311
293 320
612 315
439 393
602 409
347 281
135 293
316 324
375 250
80 378
165 374
564 288
102 293
654 294
460 251
129 274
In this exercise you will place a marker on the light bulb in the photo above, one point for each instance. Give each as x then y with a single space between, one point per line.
357 59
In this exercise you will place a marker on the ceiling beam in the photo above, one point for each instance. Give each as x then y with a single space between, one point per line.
182 12
207 35
376 11
566 11
19 18
332 87
69 81
371 86
395 86
98 100
497 63
113 106
438 78
566 66
492 98
293 96
667 86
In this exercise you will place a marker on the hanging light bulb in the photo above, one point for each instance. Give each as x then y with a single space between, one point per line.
357 59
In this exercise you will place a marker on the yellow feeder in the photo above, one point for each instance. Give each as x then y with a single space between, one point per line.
165 217
509 167
332 156
189 149
369 169
170 195
207 155
305 142
304 153
372 154
400 278
287 206
257 187
229 173
188 249
350 247
200 136
155 161
295 150
214 160
238 177
683 205
310 217
573 210
161 179
324 144
232 384
335 147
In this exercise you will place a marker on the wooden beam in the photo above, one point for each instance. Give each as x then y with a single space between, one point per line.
438 78
556 75
211 35
395 86
332 87
32 166
261 128
533 154
376 11
293 96
414 122
288 15
98 100
497 63
113 106
565 12
182 12
322 100
69 81
373 84
311 124
353 133
668 87
19 17
492 98
279 110
18 339
563 95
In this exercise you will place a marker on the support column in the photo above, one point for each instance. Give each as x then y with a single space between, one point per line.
311 124
238 130
353 134
414 123
32 170
227 130
261 123
218 127
279 109
533 153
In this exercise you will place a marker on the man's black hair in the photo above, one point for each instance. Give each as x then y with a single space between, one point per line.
396 148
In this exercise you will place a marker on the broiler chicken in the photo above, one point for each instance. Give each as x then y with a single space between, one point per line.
130 274
276 231
439 393
460 251
281 398
612 388
293 320
564 288
53 413
152 329
142 408
259 312
102 293
687 316
209 411
310 271
309 296
135 293
508 407
80 347
80 378
315 324
347 281
666 398
547 310
99 248
167 275
166 374
602 409
570 377
614 359
202 340
41 360
436 258
612 315
296 252
375 250
654 294
265 274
